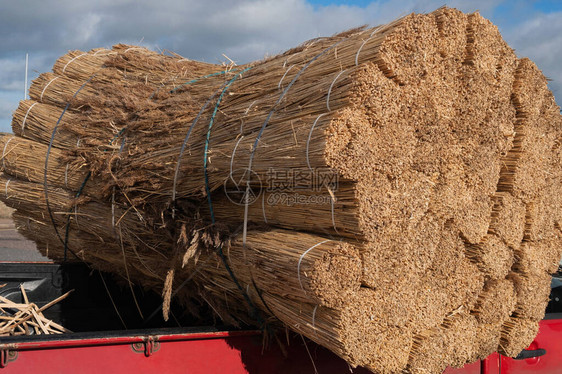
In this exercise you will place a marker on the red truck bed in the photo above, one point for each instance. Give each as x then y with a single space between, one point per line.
165 351
200 350
209 351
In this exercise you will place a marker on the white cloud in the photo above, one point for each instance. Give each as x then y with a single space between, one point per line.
12 73
8 104
540 39
244 30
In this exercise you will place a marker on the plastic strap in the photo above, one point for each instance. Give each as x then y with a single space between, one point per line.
378 28
359 50
248 109
232 159
332 205
122 144
74 58
47 85
45 183
203 77
6 187
330 90
115 136
191 82
185 140
314 319
209 199
260 294
365 42
208 138
76 213
302 256
256 142
132 49
113 207
263 207
309 137
246 210
66 238
283 77
270 114
25 117
4 152
101 50
332 199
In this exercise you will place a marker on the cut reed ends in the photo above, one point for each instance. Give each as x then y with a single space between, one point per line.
393 193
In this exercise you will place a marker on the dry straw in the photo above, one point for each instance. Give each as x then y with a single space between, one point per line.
406 185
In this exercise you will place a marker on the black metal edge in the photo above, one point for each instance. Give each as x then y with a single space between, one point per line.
114 334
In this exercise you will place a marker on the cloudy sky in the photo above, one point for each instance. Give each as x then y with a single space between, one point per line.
244 30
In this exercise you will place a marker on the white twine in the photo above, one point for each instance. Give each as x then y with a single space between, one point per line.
314 319
25 117
284 75
65 66
377 29
122 145
311 44
288 59
101 50
44 88
4 152
232 160
113 207
365 42
248 109
76 214
332 201
66 176
308 140
132 48
263 207
78 143
6 188
330 90
302 256
359 50
246 206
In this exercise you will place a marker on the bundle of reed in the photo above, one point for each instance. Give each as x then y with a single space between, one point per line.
27 318
392 193
136 63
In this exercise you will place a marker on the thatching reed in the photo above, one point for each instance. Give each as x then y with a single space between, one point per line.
26 318
391 193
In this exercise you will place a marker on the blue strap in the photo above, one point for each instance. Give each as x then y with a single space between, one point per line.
192 81
211 122
254 309
45 183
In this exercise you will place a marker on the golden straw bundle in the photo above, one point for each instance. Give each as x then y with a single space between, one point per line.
391 193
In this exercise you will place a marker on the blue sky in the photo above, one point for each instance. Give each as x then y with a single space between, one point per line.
244 30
